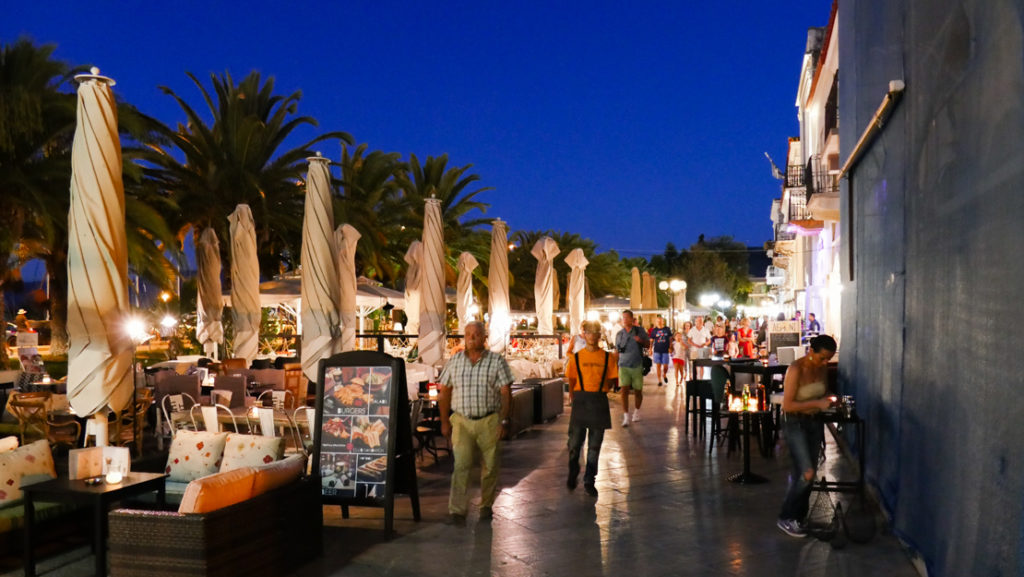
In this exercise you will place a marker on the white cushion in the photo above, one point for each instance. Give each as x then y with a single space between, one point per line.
23 466
8 443
195 454
250 451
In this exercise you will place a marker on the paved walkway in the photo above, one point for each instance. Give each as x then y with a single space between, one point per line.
664 508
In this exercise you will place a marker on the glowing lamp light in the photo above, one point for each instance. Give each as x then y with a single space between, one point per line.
168 321
46 379
707 300
114 477
593 316
432 392
752 404
613 316
735 404
564 319
165 296
137 330
399 327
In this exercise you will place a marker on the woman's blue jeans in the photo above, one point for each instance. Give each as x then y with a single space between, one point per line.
804 435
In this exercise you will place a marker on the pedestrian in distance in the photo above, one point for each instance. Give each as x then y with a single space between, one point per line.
476 389
680 355
631 342
590 373
661 344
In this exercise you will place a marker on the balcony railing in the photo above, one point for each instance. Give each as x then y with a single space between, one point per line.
818 179
794 176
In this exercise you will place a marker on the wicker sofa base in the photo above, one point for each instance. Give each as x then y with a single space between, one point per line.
270 534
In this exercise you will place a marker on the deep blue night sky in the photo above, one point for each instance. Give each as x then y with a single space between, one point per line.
631 127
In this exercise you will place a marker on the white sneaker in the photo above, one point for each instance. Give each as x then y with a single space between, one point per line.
636 415
625 419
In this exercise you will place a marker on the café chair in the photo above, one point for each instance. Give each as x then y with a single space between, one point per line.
427 430
221 397
210 415
30 409
131 423
34 420
236 384
279 400
175 410
295 382
716 393
233 364
305 421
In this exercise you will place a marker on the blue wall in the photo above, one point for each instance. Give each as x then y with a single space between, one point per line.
932 318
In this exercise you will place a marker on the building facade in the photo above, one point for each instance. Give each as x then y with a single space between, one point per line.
931 146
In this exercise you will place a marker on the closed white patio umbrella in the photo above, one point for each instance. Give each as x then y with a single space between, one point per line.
636 294
577 288
545 251
464 289
209 302
650 299
346 237
432 304
245 284
497 288
100 351
320 319
414 258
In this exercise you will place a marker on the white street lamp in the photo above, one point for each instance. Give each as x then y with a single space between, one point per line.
673 287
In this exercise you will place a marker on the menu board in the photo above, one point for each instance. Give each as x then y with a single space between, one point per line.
783 334
355 426
362 444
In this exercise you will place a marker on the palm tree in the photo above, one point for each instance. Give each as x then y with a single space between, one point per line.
370 202
451 187
235 158
37 118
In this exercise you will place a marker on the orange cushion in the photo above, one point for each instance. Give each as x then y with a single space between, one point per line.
217 491
277 474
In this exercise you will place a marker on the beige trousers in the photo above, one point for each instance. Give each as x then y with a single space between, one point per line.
467 437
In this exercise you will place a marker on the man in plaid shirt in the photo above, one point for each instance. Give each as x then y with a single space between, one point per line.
477 392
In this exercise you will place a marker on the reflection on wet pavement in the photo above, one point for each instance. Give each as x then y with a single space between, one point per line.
664 508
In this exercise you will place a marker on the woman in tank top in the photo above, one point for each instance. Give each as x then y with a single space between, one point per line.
804 394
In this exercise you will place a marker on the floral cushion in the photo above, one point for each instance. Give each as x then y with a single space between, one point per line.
24 466
8 443
251 451
194 454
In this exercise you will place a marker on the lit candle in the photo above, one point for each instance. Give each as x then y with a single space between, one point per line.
114 477
432 393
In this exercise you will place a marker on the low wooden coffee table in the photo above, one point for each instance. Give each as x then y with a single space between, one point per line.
100 497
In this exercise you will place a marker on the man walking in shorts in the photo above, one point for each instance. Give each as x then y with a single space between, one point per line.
631 342
661 341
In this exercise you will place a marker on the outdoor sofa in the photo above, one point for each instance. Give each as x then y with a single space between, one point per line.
252 515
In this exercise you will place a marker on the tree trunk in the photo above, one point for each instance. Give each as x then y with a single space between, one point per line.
59 307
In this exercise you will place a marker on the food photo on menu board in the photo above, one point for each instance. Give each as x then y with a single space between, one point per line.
357 390
338 474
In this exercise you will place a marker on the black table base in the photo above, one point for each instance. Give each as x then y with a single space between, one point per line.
747 477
